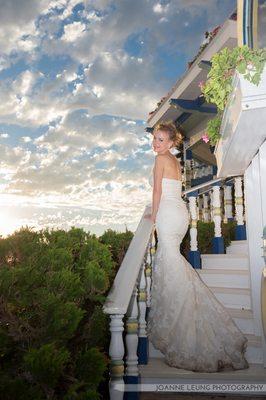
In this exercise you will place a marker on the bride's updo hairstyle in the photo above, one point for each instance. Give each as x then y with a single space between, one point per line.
174 134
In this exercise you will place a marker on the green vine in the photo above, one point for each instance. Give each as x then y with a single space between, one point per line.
218 87
213 129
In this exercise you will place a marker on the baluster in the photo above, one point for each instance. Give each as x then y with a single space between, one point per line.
116 352
205 208
142 299
240 233
188 168
217 241
211 205
132 371
228 202
194 254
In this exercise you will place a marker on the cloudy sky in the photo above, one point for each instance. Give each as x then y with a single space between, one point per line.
77 81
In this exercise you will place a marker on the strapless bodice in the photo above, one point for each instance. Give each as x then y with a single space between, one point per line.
171 188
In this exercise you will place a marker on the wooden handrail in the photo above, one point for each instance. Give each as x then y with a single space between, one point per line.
119 296
208 183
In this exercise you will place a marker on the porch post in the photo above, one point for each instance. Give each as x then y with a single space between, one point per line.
240 233
116 352
217 241
228 202
142 303
194 254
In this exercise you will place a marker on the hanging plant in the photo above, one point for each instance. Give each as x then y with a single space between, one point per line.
212 134
218 87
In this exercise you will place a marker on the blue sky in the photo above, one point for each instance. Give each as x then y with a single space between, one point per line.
77 81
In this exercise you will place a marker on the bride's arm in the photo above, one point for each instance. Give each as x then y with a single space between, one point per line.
157 184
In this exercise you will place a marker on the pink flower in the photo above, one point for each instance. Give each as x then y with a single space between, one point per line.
201 85
205 138
250 66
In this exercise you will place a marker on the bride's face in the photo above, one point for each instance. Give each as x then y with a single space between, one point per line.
161 142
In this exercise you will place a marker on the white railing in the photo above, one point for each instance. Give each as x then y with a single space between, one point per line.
128 298
212 201
128 301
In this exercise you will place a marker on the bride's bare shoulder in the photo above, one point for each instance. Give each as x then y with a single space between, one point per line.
160 158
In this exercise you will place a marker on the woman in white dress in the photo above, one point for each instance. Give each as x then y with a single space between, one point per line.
185 322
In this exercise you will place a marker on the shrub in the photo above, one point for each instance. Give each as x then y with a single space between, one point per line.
205 234
118 243
53 333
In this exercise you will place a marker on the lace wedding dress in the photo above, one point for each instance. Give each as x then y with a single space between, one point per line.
186 322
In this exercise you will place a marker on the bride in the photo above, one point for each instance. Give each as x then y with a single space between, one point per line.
185 322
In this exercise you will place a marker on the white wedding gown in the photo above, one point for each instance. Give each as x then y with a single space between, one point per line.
185 321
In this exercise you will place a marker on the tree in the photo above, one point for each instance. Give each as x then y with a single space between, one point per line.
118 243
53 333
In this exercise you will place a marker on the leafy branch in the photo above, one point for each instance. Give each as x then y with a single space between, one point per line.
218 87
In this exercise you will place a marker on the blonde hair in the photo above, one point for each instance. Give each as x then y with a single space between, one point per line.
174 134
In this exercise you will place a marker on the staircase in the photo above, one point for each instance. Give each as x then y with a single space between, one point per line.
228 277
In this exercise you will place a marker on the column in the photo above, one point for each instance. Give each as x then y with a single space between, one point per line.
132 371
194 254
116 352
228 211
218 241
240 233
205 207
188 168
142 299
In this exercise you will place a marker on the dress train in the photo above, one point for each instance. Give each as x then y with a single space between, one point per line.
186 322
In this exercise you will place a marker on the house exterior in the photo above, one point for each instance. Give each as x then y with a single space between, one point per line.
221 184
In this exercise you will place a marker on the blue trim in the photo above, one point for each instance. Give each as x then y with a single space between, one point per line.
131 380
193 106
188 154
217 183
149 129
183 117
143 350
240 232
229 183
194 258
204 64
218 245
193 194
230 219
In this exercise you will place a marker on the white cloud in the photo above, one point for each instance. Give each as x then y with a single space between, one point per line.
73 31
26 139
90 167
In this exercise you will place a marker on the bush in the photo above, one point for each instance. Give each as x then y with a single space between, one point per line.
118 244
205 236
53 333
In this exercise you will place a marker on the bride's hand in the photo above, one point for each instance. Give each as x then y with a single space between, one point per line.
150 217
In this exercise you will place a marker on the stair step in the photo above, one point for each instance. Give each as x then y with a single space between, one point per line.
230 261
245 322
237 247
243 319
157 369
239 298
226 278
254 353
